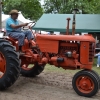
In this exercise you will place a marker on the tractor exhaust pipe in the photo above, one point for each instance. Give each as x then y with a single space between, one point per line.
74 20
67 32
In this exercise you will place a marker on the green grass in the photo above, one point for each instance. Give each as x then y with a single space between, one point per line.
51 68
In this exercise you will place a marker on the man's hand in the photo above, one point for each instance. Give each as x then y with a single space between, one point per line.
25 24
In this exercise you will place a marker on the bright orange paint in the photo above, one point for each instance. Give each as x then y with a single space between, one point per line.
85 84
58 45
2 65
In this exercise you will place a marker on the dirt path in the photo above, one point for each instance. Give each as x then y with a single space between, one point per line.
47 86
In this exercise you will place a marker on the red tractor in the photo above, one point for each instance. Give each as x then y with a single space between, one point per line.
66 51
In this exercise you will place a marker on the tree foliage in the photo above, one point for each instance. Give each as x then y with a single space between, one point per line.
30 8
66 6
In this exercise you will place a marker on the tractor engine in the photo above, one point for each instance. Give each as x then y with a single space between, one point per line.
67 52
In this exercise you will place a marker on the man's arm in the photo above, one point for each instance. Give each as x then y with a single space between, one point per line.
18 26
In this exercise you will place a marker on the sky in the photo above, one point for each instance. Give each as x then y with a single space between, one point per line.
42 2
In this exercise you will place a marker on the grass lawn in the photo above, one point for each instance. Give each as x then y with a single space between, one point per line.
51 68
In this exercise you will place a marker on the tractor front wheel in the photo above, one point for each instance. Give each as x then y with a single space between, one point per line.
31 70
86 83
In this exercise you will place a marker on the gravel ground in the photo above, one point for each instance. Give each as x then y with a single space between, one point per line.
46 86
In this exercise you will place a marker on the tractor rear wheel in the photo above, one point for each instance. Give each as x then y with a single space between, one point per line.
86 83
9 65
28 71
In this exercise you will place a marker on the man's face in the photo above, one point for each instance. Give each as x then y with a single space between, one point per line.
15 16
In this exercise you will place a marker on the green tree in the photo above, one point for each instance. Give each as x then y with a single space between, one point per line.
30 8
66 6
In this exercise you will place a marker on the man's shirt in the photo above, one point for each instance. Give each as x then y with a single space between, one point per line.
9 22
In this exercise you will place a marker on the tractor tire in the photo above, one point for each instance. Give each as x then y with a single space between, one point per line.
86 83
9 65
33 71
97 75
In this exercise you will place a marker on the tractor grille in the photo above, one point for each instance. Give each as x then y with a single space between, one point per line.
91 52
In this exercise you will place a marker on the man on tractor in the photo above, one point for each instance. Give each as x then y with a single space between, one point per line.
13 29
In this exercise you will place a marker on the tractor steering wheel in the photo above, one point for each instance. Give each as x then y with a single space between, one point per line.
30 27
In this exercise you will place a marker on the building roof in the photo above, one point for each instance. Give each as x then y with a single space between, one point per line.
57 22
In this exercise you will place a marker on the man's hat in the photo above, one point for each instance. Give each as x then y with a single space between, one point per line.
13 12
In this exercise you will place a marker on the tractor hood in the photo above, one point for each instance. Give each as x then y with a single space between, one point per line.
66 37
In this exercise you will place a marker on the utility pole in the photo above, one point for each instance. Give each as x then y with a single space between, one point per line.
0 14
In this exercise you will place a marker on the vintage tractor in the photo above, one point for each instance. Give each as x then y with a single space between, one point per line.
66 51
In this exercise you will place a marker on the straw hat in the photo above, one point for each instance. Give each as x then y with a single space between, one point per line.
13 12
